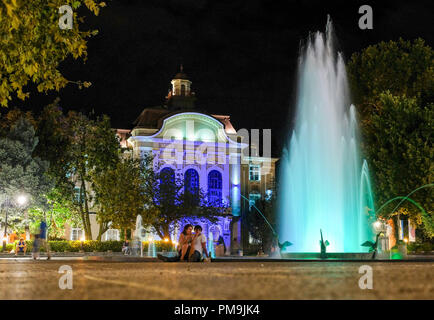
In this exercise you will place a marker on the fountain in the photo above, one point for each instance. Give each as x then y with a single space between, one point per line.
151 247
324 185
137 243
211 248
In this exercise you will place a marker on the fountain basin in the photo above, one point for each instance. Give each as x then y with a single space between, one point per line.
330 255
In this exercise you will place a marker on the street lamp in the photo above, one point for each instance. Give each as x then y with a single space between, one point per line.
5 234
22 199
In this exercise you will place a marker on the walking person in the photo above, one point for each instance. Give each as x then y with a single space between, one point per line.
41 241
35 249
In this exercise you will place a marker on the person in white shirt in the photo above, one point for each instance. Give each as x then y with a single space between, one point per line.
198 245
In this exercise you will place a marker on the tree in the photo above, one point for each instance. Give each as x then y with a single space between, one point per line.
400 152
257 226
78 149
400 67
33 45
120 194
393 85
9 119
20 171
93 149
170 201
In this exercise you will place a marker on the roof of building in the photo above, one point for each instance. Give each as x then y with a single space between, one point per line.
181 74
149 118
152 118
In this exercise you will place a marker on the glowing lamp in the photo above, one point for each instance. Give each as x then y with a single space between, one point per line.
405 240
21 199
377 225
166 239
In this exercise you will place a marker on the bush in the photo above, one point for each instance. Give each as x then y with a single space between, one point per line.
160 245
420 247
93 245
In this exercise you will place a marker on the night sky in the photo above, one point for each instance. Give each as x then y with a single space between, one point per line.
240 55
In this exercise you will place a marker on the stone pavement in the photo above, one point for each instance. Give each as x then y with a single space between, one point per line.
26 279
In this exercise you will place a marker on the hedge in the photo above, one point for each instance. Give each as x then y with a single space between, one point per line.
93 245
420 247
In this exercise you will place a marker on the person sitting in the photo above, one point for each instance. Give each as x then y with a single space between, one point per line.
126 250
21 246
184 245
198 246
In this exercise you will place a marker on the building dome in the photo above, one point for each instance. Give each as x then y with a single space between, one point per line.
181 74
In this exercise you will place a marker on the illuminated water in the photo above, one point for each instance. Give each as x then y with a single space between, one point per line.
323 182
211 248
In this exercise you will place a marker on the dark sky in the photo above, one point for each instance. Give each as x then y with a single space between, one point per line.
241 55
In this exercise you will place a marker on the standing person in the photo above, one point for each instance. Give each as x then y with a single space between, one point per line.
184 245
198 247
43 238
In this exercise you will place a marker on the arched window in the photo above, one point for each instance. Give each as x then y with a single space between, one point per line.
166 189
182 89
167 174
191 181
215 186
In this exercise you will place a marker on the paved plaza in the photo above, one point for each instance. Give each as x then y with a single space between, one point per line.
27 279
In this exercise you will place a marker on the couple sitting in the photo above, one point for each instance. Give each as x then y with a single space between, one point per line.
191 246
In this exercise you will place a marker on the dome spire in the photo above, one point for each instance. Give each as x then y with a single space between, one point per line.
180 95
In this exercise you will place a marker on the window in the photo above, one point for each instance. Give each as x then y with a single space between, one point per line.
182 89
111 235
167 174
77 194
77 234
226 225
166 186
254 172
191 181
215 187
253 197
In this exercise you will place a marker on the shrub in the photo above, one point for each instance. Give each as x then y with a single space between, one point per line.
93 245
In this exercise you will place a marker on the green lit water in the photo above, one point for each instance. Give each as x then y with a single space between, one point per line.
324 184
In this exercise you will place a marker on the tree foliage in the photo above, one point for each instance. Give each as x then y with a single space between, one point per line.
32 45
400 67
171 202
78 148
256 225
120 194
400 152
393 84
20 171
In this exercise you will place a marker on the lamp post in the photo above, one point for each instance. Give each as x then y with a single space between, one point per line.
5 234
21 200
